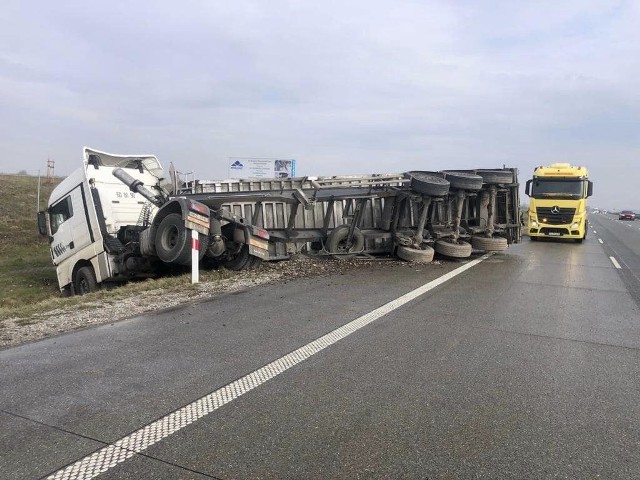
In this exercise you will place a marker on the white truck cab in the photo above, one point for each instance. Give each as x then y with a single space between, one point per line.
86 215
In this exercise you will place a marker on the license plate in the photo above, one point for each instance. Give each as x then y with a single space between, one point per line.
554 234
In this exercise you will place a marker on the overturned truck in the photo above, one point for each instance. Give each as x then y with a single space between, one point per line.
119 217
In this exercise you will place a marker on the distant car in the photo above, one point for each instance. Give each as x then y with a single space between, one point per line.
626 215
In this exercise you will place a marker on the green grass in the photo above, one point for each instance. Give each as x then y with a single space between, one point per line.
43 301
27 275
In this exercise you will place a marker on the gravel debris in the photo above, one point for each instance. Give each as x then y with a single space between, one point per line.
16 331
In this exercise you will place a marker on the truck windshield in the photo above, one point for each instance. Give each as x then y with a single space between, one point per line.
557 189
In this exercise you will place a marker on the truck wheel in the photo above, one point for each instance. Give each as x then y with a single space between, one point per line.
85 281
415 255
240 260
255 262
204 245
173 241
210 263
463 180
489 244
337 242
448 248
428 183
496 176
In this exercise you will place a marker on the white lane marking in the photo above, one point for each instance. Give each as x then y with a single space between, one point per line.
595 231
138 441
600 240
615 262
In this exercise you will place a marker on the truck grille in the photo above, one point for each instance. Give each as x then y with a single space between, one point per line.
564 215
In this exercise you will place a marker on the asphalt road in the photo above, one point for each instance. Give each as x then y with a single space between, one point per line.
524 365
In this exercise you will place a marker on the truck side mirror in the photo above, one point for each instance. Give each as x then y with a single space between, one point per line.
589 188
527 189
42 223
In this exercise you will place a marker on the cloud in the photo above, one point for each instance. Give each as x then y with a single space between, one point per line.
343 87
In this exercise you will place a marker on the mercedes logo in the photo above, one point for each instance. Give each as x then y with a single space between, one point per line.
555 210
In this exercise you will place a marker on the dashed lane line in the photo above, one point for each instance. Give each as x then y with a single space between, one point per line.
108 457
615 262
600 240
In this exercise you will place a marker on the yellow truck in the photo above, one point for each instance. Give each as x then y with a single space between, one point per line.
558 202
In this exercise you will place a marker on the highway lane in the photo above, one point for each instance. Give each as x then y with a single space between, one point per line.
621 241
523 366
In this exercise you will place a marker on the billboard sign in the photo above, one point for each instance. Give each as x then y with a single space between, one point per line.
242 167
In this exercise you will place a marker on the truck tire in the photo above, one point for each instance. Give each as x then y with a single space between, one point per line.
173 241
428 183
210 263
84 281
239 261
504 177
463 180
337 242
586 230
452 249
489 244
255 262
415 255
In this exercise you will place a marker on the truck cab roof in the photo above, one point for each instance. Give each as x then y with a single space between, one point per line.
99 159
565 170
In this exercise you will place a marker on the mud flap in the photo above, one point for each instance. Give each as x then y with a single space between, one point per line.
259 248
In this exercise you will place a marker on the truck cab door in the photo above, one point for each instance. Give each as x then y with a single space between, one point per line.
69 223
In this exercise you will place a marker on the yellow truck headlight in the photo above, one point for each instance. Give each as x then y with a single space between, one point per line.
575 225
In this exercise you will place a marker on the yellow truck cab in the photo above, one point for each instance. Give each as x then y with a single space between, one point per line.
558 202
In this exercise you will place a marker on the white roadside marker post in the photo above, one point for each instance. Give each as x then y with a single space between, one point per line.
195 256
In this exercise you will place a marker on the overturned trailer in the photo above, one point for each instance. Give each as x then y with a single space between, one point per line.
119 217
411 215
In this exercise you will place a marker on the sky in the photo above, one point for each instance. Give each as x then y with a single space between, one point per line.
343 87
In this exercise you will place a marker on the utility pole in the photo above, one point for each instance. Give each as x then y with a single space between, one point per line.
38 196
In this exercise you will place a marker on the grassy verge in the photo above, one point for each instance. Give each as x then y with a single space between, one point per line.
27 275
26 278
46 298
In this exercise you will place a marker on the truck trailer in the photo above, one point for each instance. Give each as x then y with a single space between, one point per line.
558 202
119 217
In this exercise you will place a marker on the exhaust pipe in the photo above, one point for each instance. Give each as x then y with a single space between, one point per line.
136 185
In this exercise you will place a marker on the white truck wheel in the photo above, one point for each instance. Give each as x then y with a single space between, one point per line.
84 281
452 249
415 255
337 242
489 244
